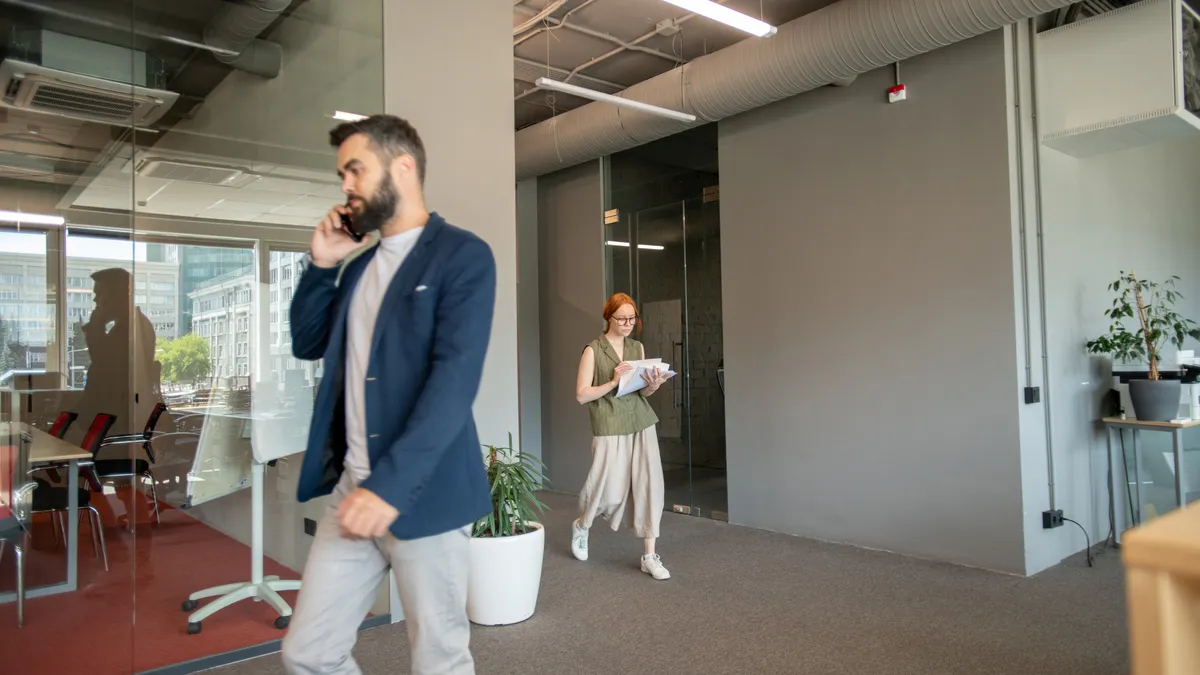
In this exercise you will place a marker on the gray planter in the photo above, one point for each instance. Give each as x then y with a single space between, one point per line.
1155 400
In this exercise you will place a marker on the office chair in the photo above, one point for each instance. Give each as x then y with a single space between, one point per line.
108 469
56 500
64 421
58 430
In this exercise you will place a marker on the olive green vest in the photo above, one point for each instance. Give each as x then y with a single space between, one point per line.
612 416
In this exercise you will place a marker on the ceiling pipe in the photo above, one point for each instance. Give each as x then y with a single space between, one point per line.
824 47
119 26
235 29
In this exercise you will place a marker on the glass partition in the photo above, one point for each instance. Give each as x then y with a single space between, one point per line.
159 176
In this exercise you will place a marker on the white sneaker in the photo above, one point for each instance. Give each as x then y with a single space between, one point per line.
652 565
579 541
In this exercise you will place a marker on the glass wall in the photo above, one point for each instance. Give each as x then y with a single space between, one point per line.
160 174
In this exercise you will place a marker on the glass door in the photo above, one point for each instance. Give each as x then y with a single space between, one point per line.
705 356
674 254
659 271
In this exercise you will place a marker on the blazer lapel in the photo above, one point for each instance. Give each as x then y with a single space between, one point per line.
408 275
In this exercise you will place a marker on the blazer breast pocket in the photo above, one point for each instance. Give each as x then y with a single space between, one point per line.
422 303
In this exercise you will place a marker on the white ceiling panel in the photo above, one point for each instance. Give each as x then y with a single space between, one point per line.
284 185
300 211
286 220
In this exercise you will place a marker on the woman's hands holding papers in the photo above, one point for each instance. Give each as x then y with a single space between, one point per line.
654 379
622 368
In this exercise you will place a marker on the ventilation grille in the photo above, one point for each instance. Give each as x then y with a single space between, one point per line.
166 169
94 104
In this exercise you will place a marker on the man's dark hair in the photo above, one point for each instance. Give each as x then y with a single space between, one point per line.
389 136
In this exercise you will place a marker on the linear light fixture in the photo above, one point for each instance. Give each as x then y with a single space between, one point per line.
645 247
30 218
727 16
347 116
582 92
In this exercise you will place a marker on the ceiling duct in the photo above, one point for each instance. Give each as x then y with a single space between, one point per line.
829 45
236 28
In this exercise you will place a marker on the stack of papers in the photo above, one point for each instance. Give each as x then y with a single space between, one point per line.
634 380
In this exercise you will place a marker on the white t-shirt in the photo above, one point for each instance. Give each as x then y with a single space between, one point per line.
360 327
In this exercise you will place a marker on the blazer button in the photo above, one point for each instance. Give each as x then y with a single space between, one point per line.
374 435
370 379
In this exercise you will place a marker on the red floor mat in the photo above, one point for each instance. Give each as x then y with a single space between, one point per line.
128 619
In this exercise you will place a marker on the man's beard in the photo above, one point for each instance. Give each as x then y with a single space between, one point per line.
379 208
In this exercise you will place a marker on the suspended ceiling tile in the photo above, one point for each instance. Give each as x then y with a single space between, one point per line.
280 219
315 202
248 194
284 185
229 205
300 211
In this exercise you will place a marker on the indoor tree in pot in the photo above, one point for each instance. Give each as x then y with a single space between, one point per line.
1152 306
507 544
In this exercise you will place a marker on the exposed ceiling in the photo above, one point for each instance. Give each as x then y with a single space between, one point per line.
609 45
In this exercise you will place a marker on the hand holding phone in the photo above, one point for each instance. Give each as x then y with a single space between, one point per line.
332 239
348 227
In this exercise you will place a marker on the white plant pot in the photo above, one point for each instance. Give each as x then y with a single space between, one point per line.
506 575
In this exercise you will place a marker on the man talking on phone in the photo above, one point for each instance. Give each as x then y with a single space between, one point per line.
403 327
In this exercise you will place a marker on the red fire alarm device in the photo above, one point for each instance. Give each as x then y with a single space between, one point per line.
897 93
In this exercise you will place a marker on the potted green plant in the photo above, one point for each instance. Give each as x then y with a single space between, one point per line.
507 545
1151 307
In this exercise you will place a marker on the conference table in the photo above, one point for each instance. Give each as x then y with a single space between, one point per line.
45 449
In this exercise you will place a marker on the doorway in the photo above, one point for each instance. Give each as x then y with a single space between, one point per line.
669 257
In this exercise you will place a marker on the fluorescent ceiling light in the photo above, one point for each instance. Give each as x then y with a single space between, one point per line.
726 16
646 247
347 116
30 218
546 83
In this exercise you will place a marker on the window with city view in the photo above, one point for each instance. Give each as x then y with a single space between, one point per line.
285 267
28 312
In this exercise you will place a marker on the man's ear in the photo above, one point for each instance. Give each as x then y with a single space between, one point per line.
404 164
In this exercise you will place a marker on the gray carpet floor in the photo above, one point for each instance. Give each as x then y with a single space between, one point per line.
746 601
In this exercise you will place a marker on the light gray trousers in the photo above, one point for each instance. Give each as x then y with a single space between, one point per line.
340 581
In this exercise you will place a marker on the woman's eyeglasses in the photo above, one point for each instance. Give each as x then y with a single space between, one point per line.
625 320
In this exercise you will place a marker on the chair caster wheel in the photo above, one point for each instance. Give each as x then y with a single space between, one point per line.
189 605
193 628
283 621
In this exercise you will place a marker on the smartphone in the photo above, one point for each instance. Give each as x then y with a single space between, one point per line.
348 226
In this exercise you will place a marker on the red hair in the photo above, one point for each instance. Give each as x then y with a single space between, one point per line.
617 301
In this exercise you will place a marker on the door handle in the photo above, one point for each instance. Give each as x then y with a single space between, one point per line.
676 399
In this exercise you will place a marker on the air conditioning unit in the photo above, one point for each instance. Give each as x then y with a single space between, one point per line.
1122 79
27 86
194 172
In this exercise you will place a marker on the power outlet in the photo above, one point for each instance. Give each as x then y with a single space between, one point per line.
310 527
1052 519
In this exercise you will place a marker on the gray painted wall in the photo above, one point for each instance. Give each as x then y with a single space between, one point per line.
869 313
529 329
468 136
571 264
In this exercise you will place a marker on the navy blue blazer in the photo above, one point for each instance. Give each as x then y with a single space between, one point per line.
426 361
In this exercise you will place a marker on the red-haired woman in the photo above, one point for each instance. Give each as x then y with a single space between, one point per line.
625 460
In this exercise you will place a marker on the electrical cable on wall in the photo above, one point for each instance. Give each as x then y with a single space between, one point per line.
1086 538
